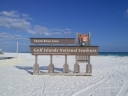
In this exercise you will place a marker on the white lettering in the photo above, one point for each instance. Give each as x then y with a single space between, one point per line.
83 50
50 50
95 50
47 40
41 49
55 40
38 40
36 50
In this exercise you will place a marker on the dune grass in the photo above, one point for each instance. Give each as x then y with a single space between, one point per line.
1 53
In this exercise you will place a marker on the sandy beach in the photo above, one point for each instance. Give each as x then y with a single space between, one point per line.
109 77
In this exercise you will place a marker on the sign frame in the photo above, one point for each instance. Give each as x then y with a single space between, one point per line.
64 50
52 40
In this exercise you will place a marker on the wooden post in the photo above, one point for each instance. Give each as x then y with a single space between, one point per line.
89 66
51 66
36 65
76 65
66 66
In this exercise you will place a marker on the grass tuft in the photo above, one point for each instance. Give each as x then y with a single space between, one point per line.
1 53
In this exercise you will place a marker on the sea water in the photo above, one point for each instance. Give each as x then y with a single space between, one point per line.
105 53
113 54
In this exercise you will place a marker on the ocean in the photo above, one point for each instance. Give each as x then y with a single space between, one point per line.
113 54
105 53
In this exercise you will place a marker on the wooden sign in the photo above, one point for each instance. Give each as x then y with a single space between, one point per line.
52 40
64 50
84 38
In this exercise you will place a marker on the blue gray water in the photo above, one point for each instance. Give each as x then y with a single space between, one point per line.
113 53
106 53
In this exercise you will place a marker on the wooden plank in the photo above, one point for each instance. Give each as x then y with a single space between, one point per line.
64 50
52 40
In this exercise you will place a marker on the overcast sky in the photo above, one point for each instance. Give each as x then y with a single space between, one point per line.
106 20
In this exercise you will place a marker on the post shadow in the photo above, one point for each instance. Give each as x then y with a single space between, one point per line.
26 68
30 69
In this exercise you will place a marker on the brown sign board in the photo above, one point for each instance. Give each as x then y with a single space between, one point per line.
64 50
52 40
84 38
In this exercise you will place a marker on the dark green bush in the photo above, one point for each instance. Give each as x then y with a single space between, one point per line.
1 53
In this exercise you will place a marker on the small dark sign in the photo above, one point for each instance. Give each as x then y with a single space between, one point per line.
64 50
52 40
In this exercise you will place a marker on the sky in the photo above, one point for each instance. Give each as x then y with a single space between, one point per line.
106 20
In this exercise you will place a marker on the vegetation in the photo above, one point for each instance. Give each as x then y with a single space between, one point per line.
1 53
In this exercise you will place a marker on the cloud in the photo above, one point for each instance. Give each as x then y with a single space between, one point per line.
7 36
16 21
10 14
26 16
126 13
41 30
61 31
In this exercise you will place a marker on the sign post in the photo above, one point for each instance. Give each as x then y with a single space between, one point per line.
82 53
66 66
51 66
36 65
76 65
89 66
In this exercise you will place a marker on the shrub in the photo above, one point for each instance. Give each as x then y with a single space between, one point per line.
1 53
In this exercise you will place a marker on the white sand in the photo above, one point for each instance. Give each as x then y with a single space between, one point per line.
110 77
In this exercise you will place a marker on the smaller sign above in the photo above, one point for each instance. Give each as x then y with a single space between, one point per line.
84 38
52 40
